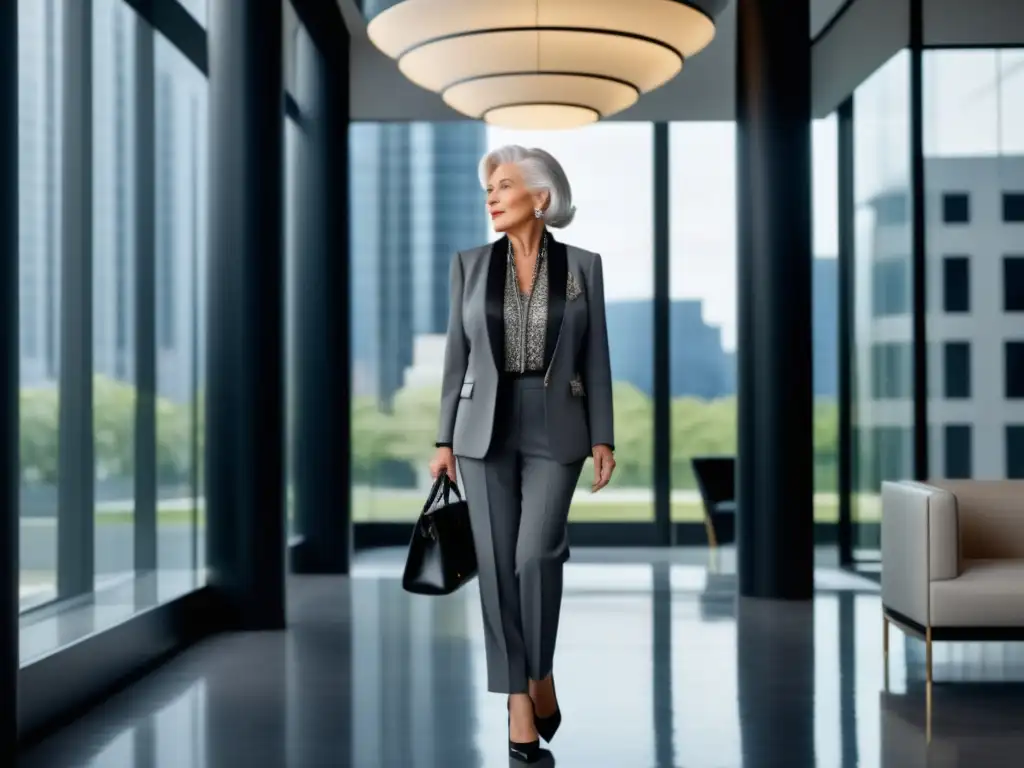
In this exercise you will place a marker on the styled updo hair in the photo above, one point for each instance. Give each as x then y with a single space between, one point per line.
540 171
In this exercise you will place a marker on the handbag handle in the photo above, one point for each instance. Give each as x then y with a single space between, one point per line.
425 523
444 484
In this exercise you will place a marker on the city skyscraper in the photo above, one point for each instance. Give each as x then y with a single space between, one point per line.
40 62
114 93
419 203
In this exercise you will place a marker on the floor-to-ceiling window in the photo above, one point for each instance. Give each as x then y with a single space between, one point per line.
703 245
973 108
610 168
882 344
292 146
40 190
702 314
825 317
297 46
416 200
112 179
180 256
114 317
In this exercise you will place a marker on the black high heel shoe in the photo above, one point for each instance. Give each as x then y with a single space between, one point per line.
528 752
546 726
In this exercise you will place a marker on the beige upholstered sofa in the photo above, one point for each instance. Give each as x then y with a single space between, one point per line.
953 561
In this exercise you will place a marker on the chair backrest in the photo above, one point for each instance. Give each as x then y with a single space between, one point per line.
716 477
990 516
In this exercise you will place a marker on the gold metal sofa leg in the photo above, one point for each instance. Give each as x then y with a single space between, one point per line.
885 649
710 529
885 635
928 682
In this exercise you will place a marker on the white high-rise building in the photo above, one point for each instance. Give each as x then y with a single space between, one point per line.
974 242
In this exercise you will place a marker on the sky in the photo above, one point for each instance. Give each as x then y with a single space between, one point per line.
973 105
610 168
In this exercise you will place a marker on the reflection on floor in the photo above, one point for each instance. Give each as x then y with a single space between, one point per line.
658 666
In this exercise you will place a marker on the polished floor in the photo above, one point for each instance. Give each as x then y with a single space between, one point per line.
658 666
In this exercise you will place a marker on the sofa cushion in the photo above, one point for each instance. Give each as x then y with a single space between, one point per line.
987 593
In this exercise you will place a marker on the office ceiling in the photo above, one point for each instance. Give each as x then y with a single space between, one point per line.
703 91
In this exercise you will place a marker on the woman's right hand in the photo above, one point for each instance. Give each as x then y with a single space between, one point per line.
443 461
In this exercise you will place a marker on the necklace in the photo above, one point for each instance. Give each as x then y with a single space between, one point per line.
541 254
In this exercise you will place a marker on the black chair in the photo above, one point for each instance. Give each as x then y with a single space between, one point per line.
716 480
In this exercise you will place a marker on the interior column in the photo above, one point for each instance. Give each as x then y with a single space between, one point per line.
245 485
775 480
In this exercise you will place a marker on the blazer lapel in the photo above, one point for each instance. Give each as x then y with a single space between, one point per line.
495 298
558 276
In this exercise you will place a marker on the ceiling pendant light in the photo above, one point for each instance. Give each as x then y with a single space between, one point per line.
540 63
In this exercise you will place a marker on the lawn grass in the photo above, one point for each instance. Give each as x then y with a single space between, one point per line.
382 505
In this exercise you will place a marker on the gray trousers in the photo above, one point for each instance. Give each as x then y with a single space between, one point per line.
519 501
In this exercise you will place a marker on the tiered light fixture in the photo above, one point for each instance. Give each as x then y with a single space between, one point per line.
541 63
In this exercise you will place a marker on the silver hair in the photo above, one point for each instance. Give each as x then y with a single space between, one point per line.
540 171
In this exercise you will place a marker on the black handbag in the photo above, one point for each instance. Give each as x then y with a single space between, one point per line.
441 554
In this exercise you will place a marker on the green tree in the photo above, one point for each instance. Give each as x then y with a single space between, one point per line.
700 428
826 445
39 435
634 439
405 435
371 438
113 416
173 442
114 413
415 421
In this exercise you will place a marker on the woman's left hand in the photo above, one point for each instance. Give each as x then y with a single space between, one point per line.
604 465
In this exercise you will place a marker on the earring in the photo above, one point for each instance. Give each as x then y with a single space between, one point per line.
538 213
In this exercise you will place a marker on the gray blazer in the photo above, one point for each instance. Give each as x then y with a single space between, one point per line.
578 377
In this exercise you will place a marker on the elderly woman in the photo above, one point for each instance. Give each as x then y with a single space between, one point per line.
526 397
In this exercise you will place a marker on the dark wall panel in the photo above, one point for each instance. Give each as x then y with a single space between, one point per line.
9 481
